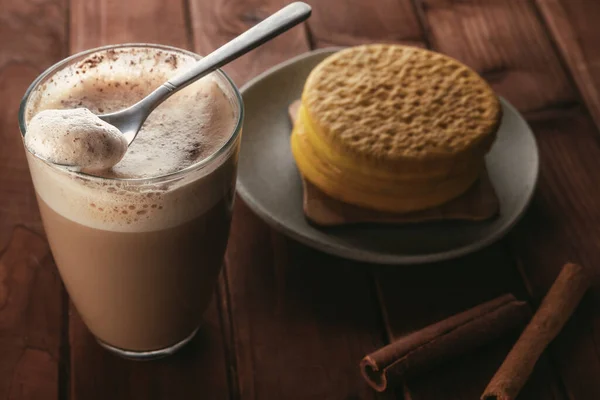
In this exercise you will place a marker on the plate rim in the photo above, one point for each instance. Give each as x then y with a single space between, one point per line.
371 256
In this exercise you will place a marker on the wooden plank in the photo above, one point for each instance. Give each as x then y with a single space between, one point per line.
32 37
198 370
458 30
30 319
524 47
418 296
506 43
99 22
215 23
574 26
568 149
476 369
355 22
413 297
466 282
563 224
301 320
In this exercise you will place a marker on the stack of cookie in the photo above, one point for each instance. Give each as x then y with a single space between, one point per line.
394 128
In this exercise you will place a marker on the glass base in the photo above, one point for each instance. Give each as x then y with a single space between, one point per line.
147 355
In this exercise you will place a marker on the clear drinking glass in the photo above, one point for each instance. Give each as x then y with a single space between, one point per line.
139 257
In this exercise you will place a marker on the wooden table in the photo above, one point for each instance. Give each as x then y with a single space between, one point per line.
288 322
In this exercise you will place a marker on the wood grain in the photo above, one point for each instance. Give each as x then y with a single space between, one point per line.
464 381
303 320
414 297
32 37
214 23
196 371
355 22
568 147
276 292
539 257
506 43
506 73
30 319
418 296
466 282
100 22
200 369
574 26
564 225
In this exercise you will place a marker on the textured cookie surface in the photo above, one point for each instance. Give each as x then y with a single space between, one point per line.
395 105
477 204
366 190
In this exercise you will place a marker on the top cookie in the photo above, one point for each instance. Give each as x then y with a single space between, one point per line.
402 107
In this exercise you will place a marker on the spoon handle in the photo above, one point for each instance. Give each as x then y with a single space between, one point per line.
264 31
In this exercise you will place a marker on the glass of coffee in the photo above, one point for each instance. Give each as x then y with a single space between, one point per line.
139 246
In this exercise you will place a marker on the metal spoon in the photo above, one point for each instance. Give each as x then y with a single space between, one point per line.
130 120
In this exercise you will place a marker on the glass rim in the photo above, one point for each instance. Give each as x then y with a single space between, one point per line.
196 166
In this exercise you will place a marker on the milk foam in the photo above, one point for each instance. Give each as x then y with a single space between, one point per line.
186 129
75 137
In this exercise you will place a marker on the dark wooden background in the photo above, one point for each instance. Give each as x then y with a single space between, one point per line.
288 322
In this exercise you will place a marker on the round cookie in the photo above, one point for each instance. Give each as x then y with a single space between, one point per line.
394 128
377 192
404 109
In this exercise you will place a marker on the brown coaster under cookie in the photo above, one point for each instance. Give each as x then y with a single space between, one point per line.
477 204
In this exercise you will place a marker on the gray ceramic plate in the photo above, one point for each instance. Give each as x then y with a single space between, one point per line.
269 182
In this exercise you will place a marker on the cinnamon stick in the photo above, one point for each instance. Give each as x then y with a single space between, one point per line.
443 340
556 308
